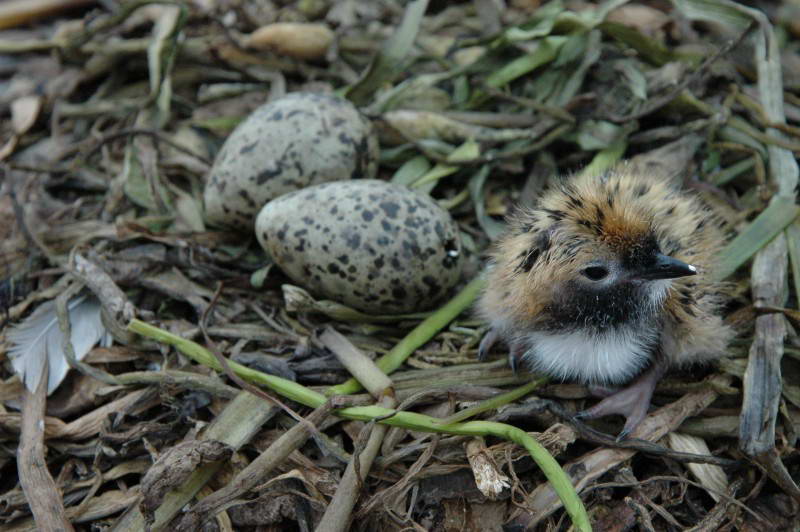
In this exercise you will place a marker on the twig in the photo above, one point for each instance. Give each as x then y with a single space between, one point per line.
666 478
561 485
644 516
34 242
555 112
156 135
179 379
418 336
758 111
544 141
589 434
41 491
496 402
256 471
118 311
64 325
230 373
658 102
362 368
19 214
337 514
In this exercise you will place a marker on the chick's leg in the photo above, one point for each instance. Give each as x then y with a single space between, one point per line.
631 401
489 339
515 353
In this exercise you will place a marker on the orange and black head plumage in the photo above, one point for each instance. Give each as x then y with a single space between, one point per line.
604 274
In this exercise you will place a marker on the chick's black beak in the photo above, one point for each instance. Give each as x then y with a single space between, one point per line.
665 267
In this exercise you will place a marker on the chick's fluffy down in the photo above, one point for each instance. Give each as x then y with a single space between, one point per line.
580 219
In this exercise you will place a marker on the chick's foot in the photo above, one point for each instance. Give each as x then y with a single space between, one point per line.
632 402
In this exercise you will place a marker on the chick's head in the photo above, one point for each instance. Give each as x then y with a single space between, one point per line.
596 252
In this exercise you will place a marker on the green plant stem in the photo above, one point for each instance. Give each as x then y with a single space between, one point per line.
418 336
495 402
196 352
408 420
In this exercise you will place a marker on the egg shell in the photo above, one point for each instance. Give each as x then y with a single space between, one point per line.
369 244
298 140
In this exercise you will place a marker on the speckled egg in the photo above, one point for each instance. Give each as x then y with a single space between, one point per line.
298 140
369 244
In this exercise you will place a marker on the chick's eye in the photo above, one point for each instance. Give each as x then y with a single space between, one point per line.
595 273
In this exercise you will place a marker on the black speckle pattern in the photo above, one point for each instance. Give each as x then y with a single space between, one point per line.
296 141
527 260
372 245
555 215
248 148
390 208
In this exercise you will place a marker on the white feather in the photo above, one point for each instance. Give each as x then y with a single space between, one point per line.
607 358
39 338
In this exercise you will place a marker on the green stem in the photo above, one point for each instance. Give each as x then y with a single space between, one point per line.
408 420
418 336
284 387
495 402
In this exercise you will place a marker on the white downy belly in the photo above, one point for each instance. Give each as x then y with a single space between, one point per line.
611 357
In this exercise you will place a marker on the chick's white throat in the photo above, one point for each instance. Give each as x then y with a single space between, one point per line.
600 356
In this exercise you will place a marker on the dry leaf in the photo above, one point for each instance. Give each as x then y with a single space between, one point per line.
24 112
709 475
295 39
488 477
20 12
644 18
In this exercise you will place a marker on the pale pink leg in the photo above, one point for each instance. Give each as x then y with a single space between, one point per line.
602 391
631 402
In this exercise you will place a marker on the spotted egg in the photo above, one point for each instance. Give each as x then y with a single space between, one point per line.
298 140
369 244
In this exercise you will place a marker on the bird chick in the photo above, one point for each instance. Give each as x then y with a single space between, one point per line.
608 281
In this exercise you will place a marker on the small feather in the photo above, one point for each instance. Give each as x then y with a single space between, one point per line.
39 338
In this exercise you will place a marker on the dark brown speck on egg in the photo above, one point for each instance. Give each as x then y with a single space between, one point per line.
379 247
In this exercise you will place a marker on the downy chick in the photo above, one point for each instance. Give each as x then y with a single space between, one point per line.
607 281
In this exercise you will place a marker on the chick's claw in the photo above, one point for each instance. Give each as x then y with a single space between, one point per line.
631 402
489 339
515 353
